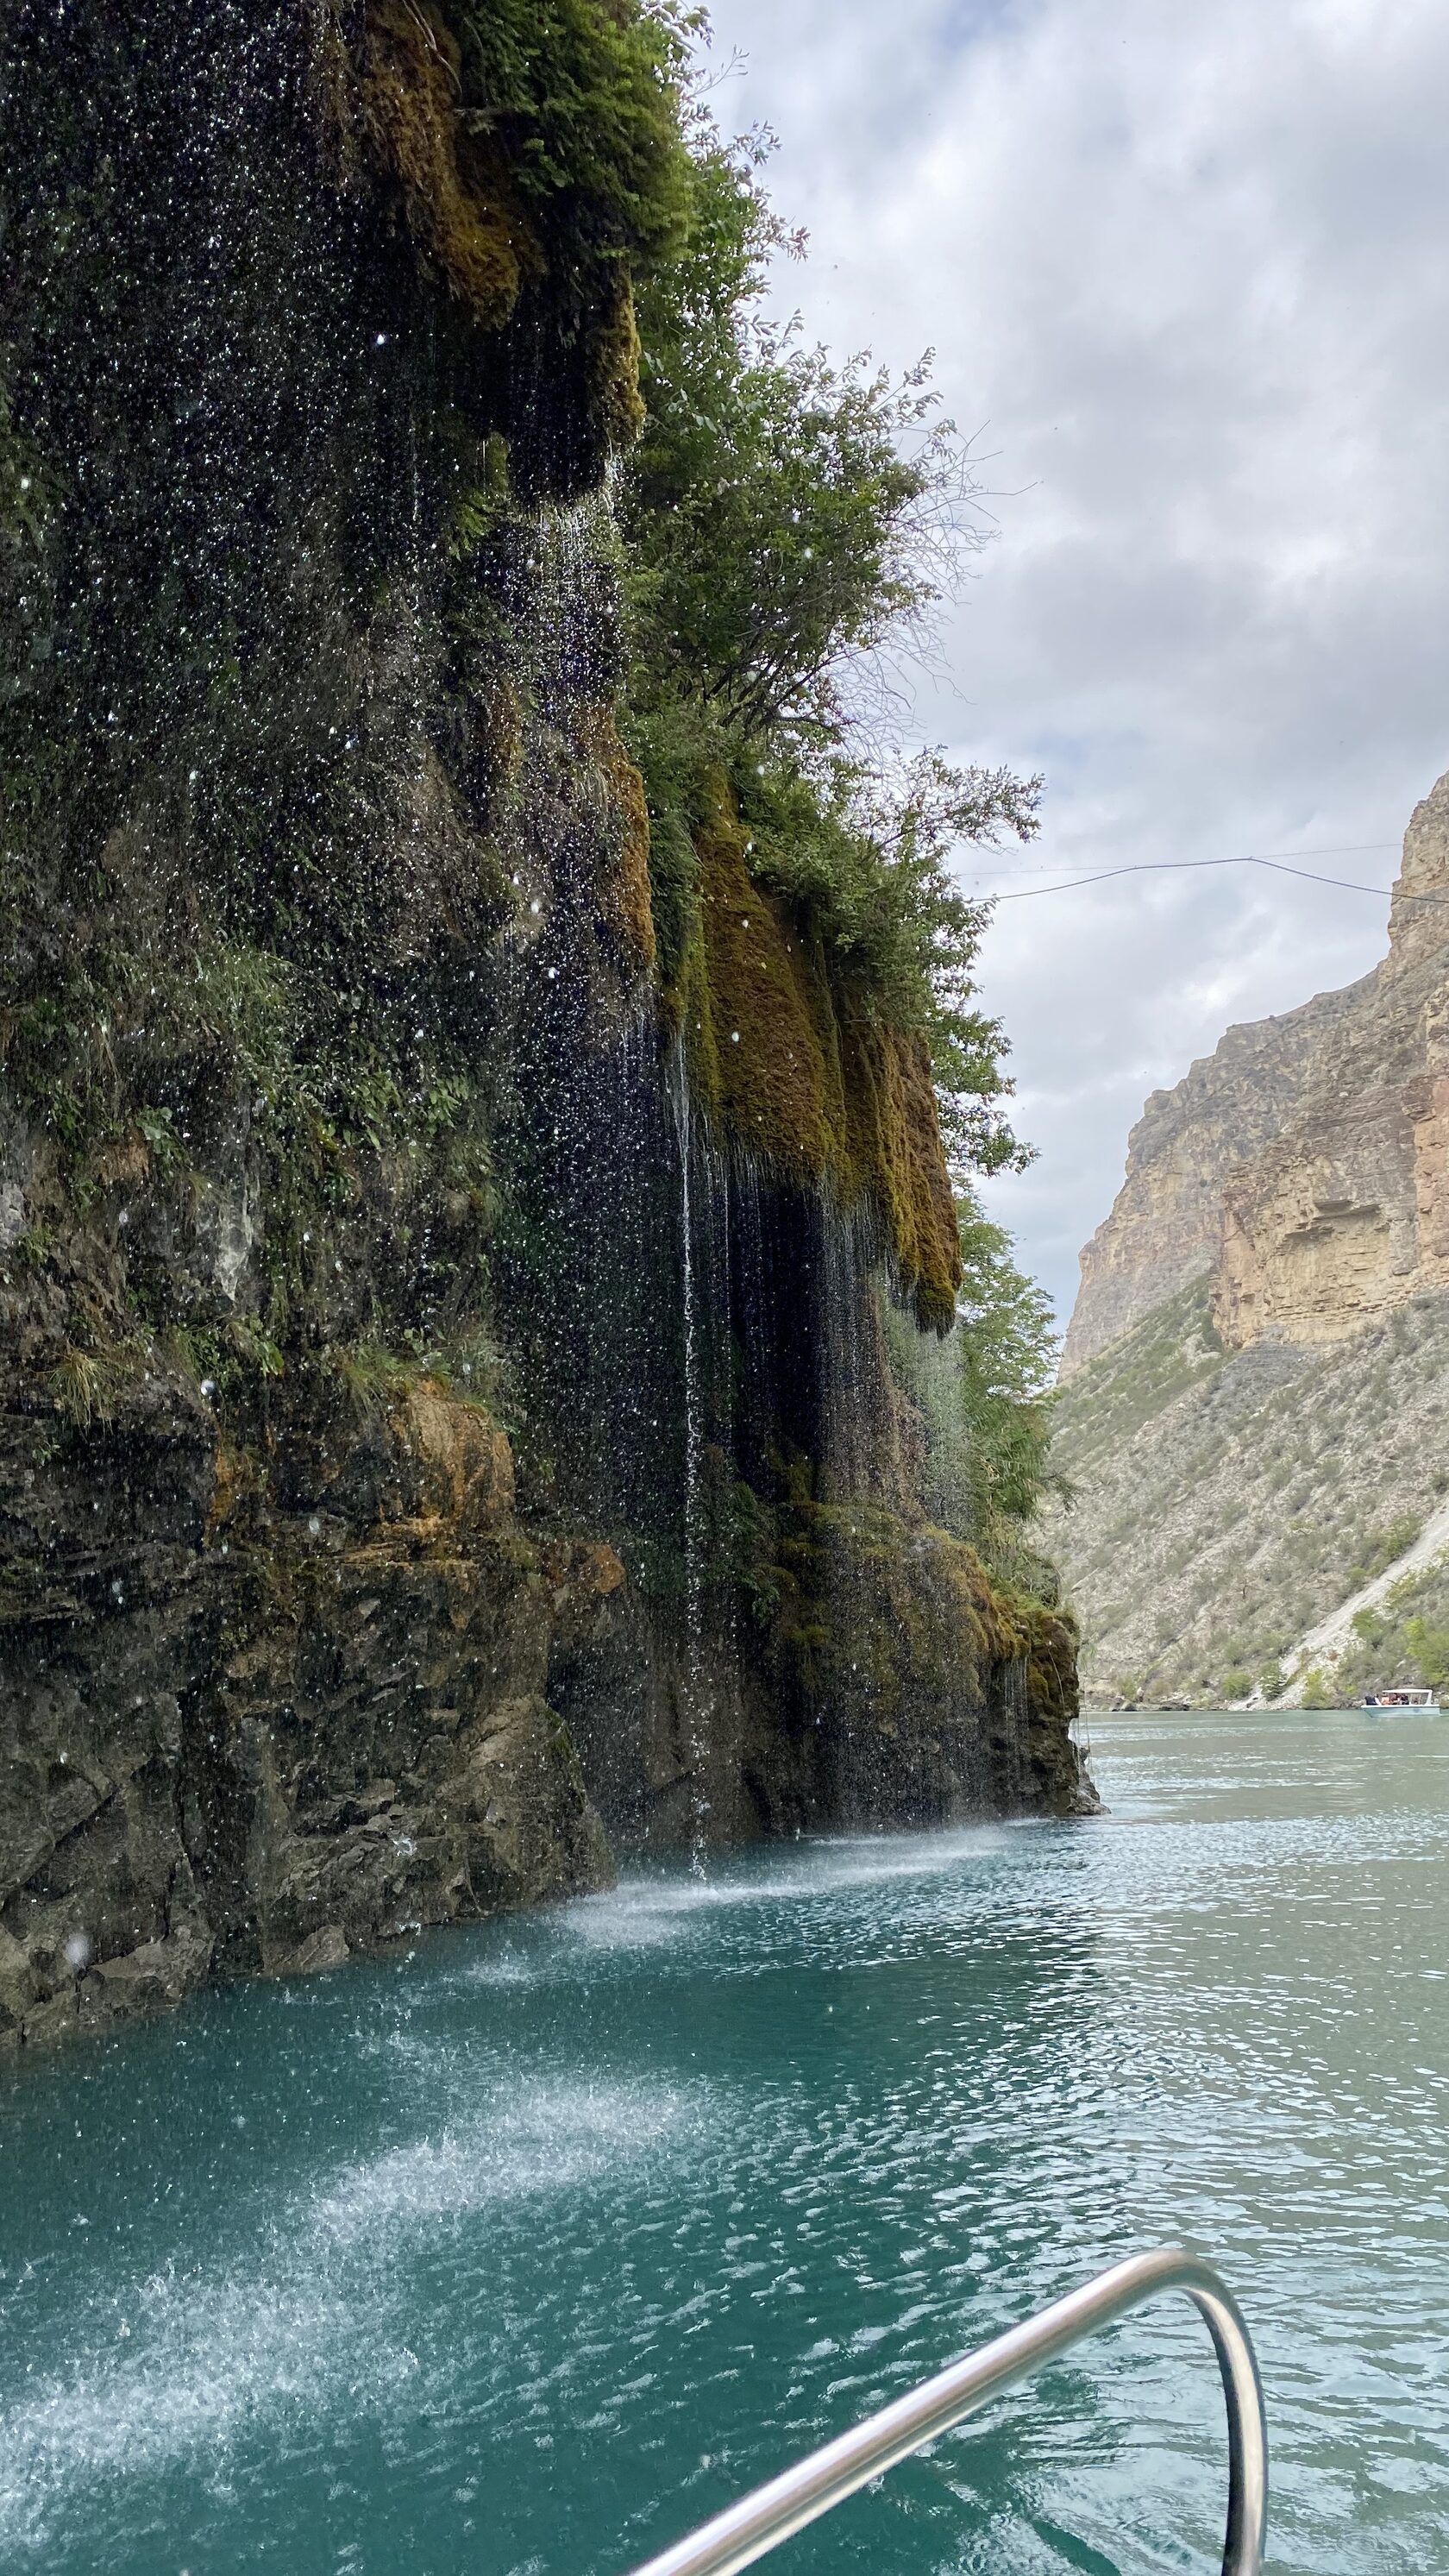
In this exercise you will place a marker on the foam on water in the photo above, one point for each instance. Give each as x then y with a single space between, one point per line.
646 1909
530 2249
678 1914
183 2362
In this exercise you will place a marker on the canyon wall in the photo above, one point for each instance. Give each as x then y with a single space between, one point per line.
1252 1413
447 1207
1302 1166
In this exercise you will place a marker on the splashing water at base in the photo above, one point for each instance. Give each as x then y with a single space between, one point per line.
529 2248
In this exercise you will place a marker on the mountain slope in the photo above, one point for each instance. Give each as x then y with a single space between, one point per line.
1254 1409
1227 1500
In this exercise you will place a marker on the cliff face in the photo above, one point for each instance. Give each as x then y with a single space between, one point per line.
1252 1413
441 1435
1303 1164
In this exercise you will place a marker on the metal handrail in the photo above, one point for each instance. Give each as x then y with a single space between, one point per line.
758 2522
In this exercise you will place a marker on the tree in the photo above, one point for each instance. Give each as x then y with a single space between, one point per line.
791 528
1429 1647
987 1396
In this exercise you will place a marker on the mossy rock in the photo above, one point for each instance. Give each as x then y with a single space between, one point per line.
786 1055
621 888
461 207
896 1149
758 1023
537 162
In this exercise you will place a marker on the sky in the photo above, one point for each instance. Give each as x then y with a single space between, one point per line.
1185 268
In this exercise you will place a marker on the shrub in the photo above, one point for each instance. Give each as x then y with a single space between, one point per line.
789 526
1429 1646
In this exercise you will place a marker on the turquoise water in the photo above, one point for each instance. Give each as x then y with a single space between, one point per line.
526 2250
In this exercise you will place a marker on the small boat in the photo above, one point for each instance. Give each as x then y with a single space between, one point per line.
1409 1696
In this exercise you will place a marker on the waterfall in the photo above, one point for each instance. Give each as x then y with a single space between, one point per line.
695 1536
845 1409
706 1308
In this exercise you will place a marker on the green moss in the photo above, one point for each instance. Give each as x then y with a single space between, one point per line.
897 1154
897 1635
460 202
788 1056
757 1017
621 888
617 403
537 154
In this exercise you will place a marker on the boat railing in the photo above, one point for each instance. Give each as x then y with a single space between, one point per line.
816 2484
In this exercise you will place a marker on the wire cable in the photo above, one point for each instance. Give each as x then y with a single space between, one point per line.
1243 859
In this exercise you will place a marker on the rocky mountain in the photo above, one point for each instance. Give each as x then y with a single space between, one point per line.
1301 1168
1253 1408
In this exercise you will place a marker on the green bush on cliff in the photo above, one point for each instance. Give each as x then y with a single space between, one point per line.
1429 1645
791 526
987 1400
864 855
584 100
1405 1638
1007 1357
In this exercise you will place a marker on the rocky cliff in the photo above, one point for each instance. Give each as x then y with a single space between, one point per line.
1302 1165
1252 1409
447 1430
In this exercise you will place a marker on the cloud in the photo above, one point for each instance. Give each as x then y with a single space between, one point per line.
1191 270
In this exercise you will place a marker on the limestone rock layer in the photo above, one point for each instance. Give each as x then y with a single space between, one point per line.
1304 1166
1253 1416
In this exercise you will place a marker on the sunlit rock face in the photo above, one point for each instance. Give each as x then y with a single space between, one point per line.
439 1448
1303 1165
1252 1416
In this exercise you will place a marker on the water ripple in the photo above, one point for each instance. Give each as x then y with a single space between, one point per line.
525 2250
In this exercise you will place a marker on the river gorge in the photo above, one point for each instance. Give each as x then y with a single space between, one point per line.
561 1937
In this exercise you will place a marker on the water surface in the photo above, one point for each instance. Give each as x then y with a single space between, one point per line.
523 2250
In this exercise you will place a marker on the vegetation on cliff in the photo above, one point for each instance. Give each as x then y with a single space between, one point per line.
214 883
1225 1502
1405 1638
789 528
989 1409
468 1084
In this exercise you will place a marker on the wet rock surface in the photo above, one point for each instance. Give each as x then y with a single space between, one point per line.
241 1739
256 1740
432 1404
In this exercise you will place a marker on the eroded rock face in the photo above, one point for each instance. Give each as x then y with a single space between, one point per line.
257 1718
245 1731
1304 1164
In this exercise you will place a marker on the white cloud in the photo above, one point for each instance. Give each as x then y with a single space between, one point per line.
1192 268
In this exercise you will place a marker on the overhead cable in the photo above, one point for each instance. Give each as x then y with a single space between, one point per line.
1242 859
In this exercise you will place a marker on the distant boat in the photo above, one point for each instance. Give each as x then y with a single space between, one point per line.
1409 1697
